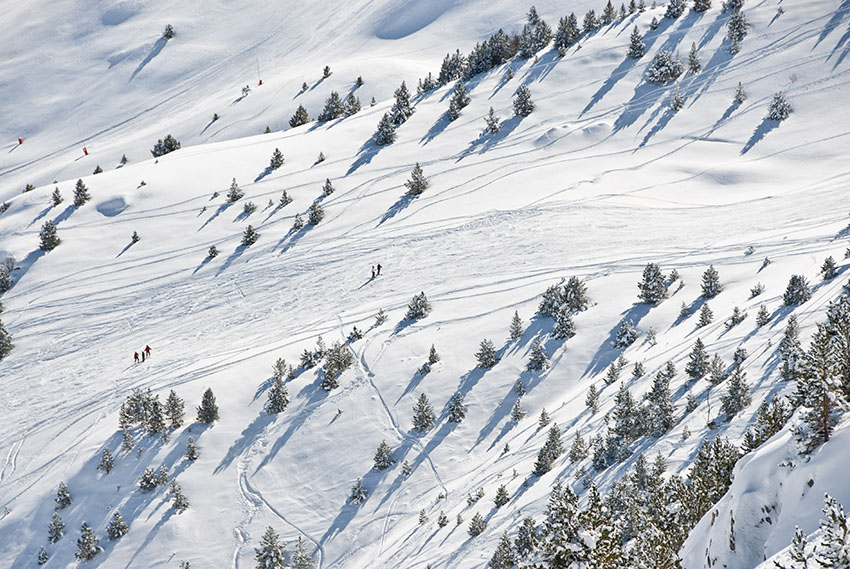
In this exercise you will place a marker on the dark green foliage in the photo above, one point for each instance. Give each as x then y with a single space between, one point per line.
164 146
106 462
276 159
797 292
117 527
300 117
87 544
270 554
418 307
665 67
636 47
333 109
56 529
278 397
537 359
417 183
81 193
48 237
401 109
63 497
208 410
423 414
697 365
386 133
711 286
338 359
477 525
737 395
523 105
652 285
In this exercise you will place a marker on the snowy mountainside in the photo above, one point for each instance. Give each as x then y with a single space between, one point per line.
599 180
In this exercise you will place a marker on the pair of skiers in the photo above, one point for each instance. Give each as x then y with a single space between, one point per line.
376 273
146 353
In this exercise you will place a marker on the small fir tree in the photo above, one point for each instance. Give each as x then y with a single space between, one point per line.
502 497
117 527
423 414
763 316
212 253
697 365
402 108
677 101
477 525
81 193
417 183
386 133
300 117
523 105
711 286
665 67
235 193
544 419
56 529
537 359
517 413
276 159
828 269
87 544
652 286
191 450
419 307
797 292
358 493
63 497
740 95
493 122
301 559
516 328
208 410
636 47
564 327
591 401
48 238
285 199
56 197
271 553
327 187
43 557
278 397
737 395
315 214
383 457
298 222
626 334
106 461
174 410
705 316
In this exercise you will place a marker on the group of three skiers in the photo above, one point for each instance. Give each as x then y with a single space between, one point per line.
146 353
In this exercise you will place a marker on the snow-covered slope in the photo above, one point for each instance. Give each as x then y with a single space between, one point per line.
598 181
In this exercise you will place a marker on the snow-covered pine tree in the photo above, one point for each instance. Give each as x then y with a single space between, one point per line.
164 146
694 64
660 408
106 461
63 497
458 101
675 8
502 497
174 410
358 493
48 238
665 67
315 213
212 253
590 22
516 328
178 498
87 544
736 30
486 354
418 307
208 410
351 105
249 236
278 397
523 105
636 47
333 108
564 327
592 399
517 412
544 419
705 316
828 269
386 133
477 525
327 187
527 537
81 193
457 410
117 527
818 390
701 5
797 292
492 122
338 359
567 33
383 457
677 101
737 395
127 442
608 14
652 285
711 286
300 117
235 193
301 558
626 334
56 197
578 450
285 199
697 365
56 529
298 222
561 543
834 550
271 554
537 359
276 159
191 450
423 414
417 183
790 350
401 109
43 557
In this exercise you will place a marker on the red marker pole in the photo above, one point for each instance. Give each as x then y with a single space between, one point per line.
85 151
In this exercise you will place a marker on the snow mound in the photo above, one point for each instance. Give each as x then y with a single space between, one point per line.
112 207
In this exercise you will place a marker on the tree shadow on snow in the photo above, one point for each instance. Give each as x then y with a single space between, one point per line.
158 46
542 67
125 249
215 214
206 260
759 133
441 124
268 170
250 434
233 256
621 71
41 215
607 353
486 141
365 155
399 206
289 240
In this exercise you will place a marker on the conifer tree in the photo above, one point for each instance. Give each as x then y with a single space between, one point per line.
458 101
419 307
677 101
298 222
43 557
697 365
208 410
285 199
6 344
561 543
81 193
537 359
127 442
477 525
592 399
797 291
63 497
106 461
278 397
790 350
818 390
834 550
386 133
417 183
737 396
235 193
665 67
523 105
544 419
351 105
315 213
212 253
174 410
675 8
740 95
694 64
117 527
56 529
383 456
636 47
87 544
763 316
433 356
660 406
705 316
626 334
515 329
517 412
358 493
56 197
564 327
270 554
608 13
711 286
578 450
736 30
701 5
48 237
502 497
567 33
652 287
638 370
503 556
301 558
327 187
300 117
590 22
492 121
401 109
828 269
249 236
423 414
457 410
178 499
333 108
191 450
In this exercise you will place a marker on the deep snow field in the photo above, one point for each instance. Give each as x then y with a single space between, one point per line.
598 181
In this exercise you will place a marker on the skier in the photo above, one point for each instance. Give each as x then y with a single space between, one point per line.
85 151
136 357
148 350
379 269
373 271
20 140
143 355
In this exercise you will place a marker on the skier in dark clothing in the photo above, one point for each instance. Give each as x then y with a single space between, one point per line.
148 351
379 269
373 271
136 357
143 355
